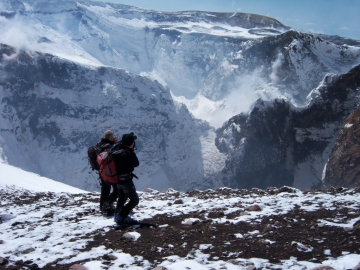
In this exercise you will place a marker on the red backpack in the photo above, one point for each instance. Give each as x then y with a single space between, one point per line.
107 167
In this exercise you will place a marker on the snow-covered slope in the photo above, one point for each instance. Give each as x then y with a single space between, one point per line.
222 61
80 67
53 109
11 177
56 228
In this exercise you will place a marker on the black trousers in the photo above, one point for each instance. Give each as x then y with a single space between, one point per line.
105 195
126 191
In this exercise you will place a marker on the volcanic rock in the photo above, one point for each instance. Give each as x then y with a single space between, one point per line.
343 168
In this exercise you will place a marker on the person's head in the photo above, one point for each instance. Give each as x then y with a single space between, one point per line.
110 136
129 139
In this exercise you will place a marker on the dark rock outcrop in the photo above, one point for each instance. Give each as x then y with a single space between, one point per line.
276 144
343 168
259 147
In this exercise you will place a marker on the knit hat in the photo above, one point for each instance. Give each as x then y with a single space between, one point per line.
108 134
128 139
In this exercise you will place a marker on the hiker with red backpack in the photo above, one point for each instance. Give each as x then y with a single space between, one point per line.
115 161
107 199
125 161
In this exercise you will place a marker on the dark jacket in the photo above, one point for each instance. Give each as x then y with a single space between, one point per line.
125 161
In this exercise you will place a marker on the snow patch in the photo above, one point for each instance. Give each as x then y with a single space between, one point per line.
12 176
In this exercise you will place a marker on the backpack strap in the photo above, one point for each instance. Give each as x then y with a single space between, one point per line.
105 146
116 152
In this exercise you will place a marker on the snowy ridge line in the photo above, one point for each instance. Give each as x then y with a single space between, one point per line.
53 229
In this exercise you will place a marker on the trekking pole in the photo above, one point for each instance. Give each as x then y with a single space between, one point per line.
97 182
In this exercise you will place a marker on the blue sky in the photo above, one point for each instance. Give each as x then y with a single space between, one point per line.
333 17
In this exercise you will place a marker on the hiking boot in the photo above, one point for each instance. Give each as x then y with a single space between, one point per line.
108 207
119 220
111 211
125 221
130 221
112 207
108 213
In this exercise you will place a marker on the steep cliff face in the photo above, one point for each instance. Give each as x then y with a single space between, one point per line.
53 109
277 144
343 167
219 56
89 66
259 147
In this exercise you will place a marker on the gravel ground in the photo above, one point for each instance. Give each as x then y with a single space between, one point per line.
216 233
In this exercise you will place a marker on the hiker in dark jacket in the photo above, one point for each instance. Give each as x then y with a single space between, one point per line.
107 199
125 163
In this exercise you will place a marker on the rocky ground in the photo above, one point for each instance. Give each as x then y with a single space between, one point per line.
219 233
